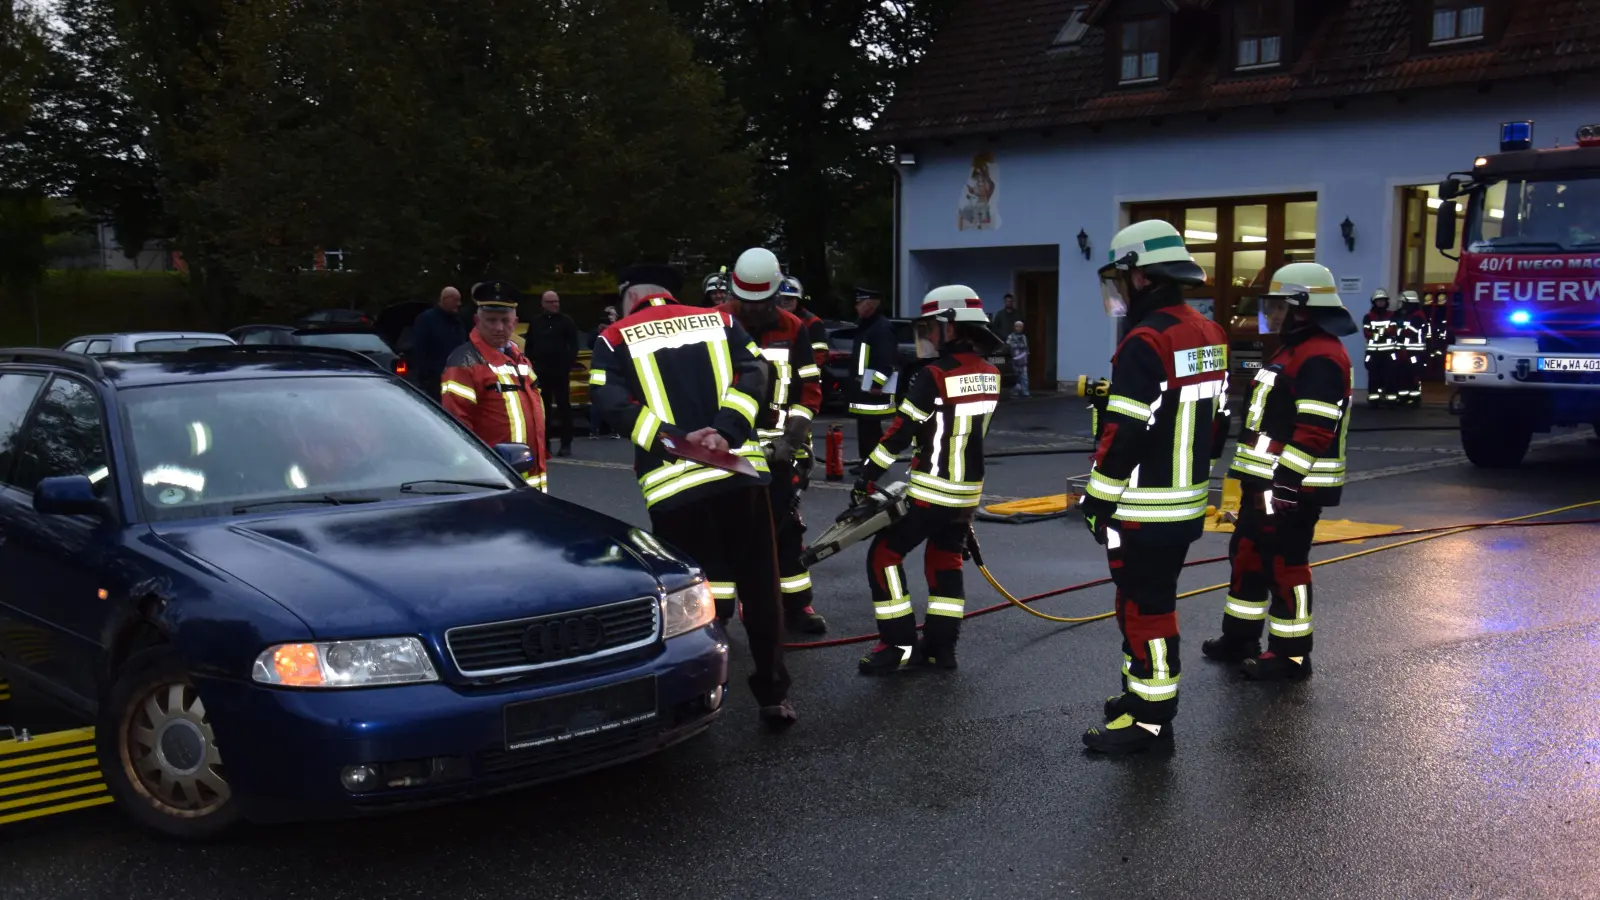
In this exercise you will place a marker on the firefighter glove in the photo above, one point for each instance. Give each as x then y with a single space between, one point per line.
782 450
797 432
1285 498
861 491
1097 515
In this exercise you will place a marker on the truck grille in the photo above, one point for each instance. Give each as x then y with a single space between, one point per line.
1570 343
524 645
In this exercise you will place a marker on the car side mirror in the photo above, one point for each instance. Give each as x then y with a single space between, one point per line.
518 456
69 495
1445 237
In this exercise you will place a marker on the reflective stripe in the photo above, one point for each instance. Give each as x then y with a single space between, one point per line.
971 409
1165 495
1159 514
597 376
796 584
821 346
682 483
742 403
872 409
1205 390
910 411
1104 488
460 390
1289 627
540 481
946 606
1292 458
1130 408
519 427
800 412
1158 659
882 457
653 386
1244 609
1156 689
899 602
924 479
811 371
1183 443
1318 408
1253 468
939 498
645 428
724 590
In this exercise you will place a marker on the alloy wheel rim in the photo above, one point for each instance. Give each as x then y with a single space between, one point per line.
170 752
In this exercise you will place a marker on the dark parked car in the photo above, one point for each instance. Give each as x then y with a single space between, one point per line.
335 318
362 340
287 586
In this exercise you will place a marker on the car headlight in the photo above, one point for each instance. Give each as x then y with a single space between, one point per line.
686 610
1466 362
345 664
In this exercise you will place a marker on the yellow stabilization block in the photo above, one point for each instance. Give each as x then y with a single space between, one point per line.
48 774
1033 506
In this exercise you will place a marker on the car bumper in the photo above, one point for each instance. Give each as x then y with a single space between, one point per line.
284 750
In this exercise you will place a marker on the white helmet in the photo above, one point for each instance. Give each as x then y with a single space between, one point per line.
1311 287
953 303
757 276
791 288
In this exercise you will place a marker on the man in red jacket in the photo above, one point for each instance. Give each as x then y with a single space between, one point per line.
490 386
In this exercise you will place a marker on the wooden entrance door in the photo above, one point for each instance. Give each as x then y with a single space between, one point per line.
1036 292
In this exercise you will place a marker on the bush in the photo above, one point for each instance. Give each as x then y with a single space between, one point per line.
74 302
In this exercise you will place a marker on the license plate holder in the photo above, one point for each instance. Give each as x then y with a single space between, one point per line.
1569 364
565 717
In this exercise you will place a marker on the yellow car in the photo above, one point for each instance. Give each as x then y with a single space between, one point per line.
577 379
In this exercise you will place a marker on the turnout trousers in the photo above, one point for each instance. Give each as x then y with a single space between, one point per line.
945 531
869 432
794 580
1271 582
1146 576
557 391
1379 364
730 535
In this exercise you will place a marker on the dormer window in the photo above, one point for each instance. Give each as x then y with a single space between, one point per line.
1141 51
1258 25
1455 21
1071 34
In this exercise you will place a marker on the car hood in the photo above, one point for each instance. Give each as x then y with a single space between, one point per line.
413 567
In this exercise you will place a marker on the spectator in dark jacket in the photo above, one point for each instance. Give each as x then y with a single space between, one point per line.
437 332
552 345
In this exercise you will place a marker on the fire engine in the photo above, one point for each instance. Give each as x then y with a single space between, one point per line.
1525 304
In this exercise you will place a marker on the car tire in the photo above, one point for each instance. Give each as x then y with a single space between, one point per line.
159 753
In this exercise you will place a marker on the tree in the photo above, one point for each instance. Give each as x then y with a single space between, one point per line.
812 76
22 62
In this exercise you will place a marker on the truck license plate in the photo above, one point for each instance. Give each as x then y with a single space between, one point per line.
1569 364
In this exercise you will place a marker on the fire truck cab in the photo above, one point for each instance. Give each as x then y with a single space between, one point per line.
1525 305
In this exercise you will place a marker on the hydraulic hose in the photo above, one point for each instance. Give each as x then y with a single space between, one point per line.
1422 534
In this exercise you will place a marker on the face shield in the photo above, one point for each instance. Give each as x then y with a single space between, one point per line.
1271 313
1115 291
928 334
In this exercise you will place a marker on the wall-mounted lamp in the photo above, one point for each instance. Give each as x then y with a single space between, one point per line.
1083 242
1348 229
906 157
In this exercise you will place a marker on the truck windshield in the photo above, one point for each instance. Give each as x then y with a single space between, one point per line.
1552 215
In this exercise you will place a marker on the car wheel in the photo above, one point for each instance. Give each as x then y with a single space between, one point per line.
159 753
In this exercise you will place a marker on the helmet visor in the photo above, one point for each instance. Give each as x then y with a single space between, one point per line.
1114 291
928 334
1270 314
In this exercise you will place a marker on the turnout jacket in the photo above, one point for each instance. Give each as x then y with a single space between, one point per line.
668 370
1379 328
947 412
816 333
495 394
876 358
1298 419
1164 425
794 380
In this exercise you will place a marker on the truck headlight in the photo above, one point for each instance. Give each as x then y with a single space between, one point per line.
345 664
686 610
1466 362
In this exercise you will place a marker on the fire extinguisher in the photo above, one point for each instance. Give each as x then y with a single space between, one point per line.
835 453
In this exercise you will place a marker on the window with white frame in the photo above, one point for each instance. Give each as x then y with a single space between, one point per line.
1141 51
1454 20
1259 27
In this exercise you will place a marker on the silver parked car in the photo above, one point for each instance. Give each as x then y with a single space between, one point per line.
144 342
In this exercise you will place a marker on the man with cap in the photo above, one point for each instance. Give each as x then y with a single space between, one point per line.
490 386
1163 428
876 371
672 378
1290 464
1378 327
946 413
793 397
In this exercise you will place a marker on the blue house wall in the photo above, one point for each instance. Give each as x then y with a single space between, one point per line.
1048 188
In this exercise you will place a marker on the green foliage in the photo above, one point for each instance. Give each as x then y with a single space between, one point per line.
79 302
23 60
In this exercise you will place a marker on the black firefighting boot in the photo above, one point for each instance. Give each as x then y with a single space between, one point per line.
1117 706
1270 666
937 648
885 659
1230 649
1124 735
804 620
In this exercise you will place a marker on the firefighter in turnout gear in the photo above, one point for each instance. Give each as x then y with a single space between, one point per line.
1412 352
792 399
817 334
1290 463
946 412
1378 327
1164 425
875 368
668 375
716 287
490 386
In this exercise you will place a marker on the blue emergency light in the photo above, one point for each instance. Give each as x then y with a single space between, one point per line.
1516 136
1521 317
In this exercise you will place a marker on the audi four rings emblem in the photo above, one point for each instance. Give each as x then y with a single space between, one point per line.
563 638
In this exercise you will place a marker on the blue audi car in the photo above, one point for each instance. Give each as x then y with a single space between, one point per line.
286 585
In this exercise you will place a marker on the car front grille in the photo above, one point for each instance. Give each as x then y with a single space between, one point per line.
524 645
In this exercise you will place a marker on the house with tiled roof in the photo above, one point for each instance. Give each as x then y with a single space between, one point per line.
1267 131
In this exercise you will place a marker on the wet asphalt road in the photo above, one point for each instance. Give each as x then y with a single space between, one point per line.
1448 745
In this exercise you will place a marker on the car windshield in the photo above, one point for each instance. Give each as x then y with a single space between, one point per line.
158 344
361 342
212 448
1553 215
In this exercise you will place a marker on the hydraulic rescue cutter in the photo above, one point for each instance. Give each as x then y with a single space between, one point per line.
883 508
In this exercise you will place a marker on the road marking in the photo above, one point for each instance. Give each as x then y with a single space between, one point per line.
1458 458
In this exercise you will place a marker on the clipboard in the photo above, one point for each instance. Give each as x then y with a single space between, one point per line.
728 462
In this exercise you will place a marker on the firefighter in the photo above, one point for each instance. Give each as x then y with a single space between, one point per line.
1412 349
668 373
875 375
1290 465
793 398
789 301
1378 326
946 412
490 386
1164 424
715 288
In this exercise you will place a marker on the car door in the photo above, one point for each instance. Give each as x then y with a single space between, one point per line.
17 393
55 565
